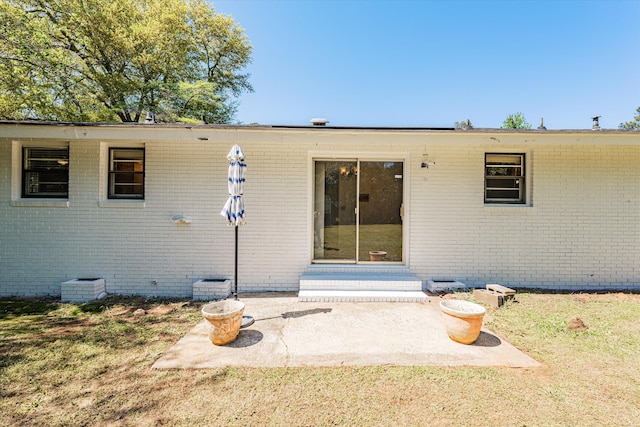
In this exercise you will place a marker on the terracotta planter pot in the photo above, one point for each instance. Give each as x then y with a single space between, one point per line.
224 319
462 320
377 255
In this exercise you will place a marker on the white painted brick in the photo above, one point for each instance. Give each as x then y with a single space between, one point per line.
203 290
78 290
584 219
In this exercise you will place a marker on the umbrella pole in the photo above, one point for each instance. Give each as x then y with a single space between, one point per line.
246 319
235 281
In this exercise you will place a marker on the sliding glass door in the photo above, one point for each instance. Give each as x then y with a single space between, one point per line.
358 211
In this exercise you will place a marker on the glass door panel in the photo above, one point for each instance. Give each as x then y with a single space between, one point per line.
380 211
358 211
334 212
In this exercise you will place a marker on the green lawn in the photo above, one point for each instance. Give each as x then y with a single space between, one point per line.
90 365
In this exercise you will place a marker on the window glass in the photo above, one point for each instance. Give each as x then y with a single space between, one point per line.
45 172
504 159
126 173
504 178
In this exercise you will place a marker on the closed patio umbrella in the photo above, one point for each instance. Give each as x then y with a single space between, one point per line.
233 209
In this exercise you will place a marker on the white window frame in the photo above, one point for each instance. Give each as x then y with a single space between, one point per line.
521 180
17 199
35 167
103 178
112 192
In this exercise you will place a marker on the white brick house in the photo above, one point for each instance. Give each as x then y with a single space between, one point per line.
544 209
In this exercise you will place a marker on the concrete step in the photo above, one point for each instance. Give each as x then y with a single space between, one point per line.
359 281
358 268
361 296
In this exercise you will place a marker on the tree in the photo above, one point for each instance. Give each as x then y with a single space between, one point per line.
465 124
515 121
98 60
634 125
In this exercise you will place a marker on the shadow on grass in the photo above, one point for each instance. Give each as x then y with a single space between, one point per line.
25 335
134 302
14 306
44 340
32 327
27 306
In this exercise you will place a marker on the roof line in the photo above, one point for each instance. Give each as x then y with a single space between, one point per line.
303 127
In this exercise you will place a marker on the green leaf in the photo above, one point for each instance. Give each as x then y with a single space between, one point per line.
93 60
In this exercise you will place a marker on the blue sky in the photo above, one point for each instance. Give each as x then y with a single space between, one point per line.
432 63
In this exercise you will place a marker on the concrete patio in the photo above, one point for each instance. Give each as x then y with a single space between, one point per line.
288 332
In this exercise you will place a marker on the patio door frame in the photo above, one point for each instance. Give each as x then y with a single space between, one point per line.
360 157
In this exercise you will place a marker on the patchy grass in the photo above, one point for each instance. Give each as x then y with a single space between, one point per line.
89 364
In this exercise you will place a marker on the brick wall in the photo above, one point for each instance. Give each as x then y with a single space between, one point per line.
580 228
579 231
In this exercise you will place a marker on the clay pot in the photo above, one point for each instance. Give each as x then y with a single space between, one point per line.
224 319
377 255
462 320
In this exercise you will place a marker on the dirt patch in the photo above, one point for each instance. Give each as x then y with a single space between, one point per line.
583 297
576 324
119 311
70 328
161 309
139 312
607 296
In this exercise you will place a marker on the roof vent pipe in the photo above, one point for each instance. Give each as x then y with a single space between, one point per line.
596 124
319 121
542 127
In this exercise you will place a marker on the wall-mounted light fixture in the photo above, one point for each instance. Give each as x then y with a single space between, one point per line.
180 219
426 162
